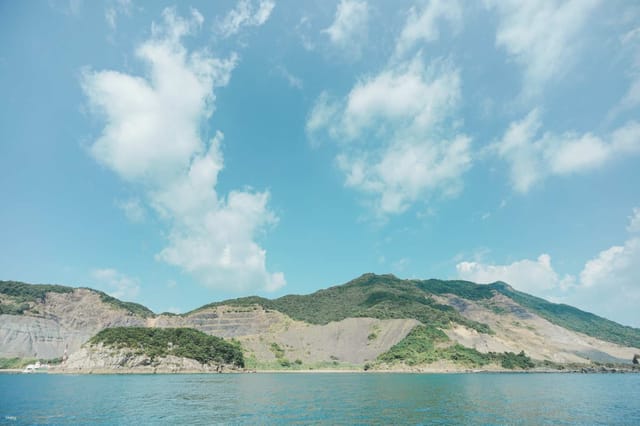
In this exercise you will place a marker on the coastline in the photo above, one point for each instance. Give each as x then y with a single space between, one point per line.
148 371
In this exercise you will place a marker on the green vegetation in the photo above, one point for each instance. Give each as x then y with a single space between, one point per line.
277 350
15 363
22 292
253 364
280 358
181 342
373 296
134 308
22 295
563 315
13 308
572 318
464 289
425 345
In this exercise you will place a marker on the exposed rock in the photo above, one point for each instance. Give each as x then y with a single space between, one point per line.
67 320
344 341
64 320
97 359
517 329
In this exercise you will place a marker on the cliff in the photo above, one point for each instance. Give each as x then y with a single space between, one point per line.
366 321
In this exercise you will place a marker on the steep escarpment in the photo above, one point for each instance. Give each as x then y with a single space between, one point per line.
376 320
51 319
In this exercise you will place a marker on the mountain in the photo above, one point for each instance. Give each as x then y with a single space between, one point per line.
379 321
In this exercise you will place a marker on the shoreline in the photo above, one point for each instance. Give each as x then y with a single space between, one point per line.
134 371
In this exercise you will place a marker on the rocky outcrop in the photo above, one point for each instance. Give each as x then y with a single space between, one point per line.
97 359
67 319
517 329
225 321
62 321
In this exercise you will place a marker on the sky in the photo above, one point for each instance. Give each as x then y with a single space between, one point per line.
179 153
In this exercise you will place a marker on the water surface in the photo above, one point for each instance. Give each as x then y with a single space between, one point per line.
321 398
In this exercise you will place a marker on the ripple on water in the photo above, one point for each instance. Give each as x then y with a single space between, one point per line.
321 398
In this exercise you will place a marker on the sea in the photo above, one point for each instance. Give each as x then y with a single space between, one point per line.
321 398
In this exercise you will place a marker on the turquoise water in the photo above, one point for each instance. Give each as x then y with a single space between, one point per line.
321 398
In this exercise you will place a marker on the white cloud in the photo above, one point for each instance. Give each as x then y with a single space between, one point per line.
247 13
532 158
350 25
396 134
423 24
322 115
409 94
608 284
115 8
152 139
116 284
634 221
151 127
133 209
407 171
543 36
621 262
532 276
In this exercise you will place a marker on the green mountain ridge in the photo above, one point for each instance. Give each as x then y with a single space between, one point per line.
386 296
373 296
23 294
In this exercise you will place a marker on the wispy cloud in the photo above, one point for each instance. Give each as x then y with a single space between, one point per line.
423 24
350 26
544 37
116 284
247 13
133 209
115 9
532 156
294 81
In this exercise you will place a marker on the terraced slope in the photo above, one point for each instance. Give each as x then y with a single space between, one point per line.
349 324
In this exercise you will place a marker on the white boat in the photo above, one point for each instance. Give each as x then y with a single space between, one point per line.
36 368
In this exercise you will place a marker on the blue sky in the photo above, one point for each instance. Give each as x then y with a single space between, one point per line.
177 154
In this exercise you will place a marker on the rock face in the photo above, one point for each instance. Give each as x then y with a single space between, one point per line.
224 321
98 359
63 320
353 340
67 320
517 329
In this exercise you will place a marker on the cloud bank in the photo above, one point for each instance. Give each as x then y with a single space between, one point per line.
607 285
